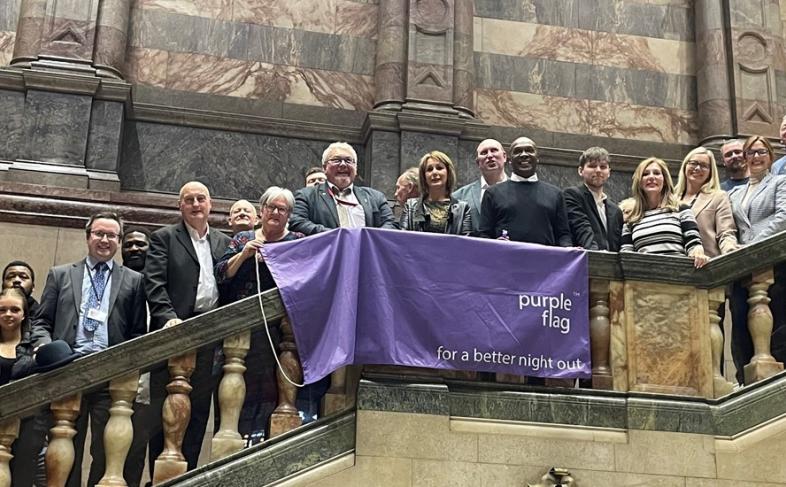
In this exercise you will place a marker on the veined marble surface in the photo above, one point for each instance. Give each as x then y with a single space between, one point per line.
6 47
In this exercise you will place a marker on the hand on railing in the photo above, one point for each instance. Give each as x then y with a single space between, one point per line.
172 322
699 258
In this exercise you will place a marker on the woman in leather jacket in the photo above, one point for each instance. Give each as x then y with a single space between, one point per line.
435 211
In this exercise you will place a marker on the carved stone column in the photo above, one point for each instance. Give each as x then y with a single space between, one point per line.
390 71
715 298
9 431
762 363
60 452
600 334
285 417
111 38
119 430
231 395
175 416
464 58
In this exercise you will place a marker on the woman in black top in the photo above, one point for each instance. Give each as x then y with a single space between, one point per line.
436 211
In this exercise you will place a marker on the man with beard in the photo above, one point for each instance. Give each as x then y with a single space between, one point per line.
338 202
490 157
20 274
734 162
242 216
595 221
524 209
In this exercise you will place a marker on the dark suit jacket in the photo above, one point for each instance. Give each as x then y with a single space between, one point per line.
471 194
58 314
315 210
585 225
172 272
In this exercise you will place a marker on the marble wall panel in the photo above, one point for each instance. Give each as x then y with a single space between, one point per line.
356 19
146 66
56 127
625 121
9 14
6 47
313 15
665 19
384 148
12 107
217 9
160 157
106 131
586 46
415 145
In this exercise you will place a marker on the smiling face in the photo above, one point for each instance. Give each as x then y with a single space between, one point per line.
134 250
595 173
242 216
340 167
733 159
698 170
195 205
524 157
103 239
275 215
757 156
12 311
652 181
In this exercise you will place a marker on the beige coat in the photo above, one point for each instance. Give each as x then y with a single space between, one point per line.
716 223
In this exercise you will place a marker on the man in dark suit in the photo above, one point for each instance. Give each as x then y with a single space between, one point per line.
338 202
595 221
91 305
180 284
524 209
491 158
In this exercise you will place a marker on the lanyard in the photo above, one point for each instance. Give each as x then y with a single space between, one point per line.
93 284
339 200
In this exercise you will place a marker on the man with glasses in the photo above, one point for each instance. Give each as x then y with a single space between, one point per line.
734 162
91 305
338 202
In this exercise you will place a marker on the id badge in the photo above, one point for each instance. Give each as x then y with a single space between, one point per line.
96 314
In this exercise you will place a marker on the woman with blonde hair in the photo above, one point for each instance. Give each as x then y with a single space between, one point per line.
657 223
436 211
698 186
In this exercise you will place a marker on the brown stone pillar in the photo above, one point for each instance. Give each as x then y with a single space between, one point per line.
391 55
464 58
111 38
27 44
430 56
713 87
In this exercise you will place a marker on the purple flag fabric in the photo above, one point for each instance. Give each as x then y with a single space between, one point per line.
373 296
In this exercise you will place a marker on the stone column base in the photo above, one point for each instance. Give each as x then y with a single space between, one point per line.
761 369
283 422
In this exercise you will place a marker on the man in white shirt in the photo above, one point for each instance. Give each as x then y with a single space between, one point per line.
491 158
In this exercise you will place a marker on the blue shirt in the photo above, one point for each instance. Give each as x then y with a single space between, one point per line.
779 167
88 342
730 183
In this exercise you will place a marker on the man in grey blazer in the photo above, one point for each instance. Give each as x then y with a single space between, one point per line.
338 202
91 305
491 158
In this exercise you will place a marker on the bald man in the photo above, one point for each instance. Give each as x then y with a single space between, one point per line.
491 158
180 284
523 208
242 216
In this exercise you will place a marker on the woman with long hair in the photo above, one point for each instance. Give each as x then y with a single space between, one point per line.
657 223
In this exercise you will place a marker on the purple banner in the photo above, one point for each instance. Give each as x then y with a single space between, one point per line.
372 296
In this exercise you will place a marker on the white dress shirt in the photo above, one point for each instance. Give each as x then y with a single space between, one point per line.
207 290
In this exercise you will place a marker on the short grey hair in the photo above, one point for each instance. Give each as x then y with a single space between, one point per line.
275 192
338 145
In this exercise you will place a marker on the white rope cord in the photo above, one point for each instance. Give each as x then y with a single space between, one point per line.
267 329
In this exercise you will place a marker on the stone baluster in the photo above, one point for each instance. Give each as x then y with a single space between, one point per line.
762 364
600 334
175 416
716 298
9 431
285 417
60 452
336 396
119 431
231 395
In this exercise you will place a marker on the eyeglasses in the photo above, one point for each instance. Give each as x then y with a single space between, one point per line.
335 161
756 152
281 209
100 235
698 165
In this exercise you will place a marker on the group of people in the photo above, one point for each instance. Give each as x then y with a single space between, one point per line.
188 268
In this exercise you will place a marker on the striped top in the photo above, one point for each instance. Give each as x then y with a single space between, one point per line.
662 231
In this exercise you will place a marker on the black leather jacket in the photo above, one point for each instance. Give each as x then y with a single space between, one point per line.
415 216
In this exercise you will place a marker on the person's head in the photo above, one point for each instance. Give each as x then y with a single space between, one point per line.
523 157
651 182
103 231
594 167
275 205
14 313
758 154
242 216
340 162
733 158
19 274
783 130
136 242
407 185
195 205
698 171
315 176
491 158
436 171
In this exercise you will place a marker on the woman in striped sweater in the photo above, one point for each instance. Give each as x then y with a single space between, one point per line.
657 223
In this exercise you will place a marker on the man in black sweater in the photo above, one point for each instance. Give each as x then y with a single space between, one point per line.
524 209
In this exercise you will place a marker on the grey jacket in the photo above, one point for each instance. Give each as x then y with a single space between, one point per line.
471 194
766 212
416 215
